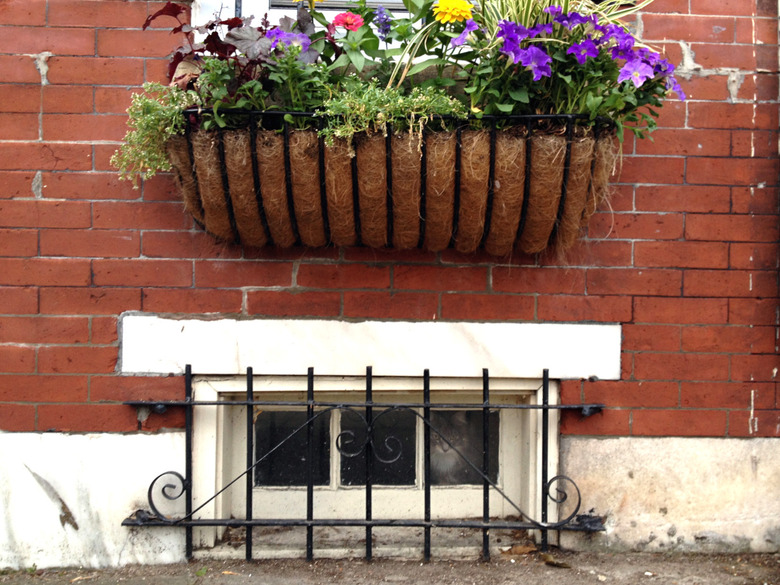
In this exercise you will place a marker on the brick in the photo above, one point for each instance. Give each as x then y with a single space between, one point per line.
728 338
20 98
243 273
18 69
487 307
359 254
735 7
18 242
623 281
633 394
290 304
661 170
753 311
91 127
67 99
753 143
171 419
760 368
730 116
674 113
726 395
76 359
136 43
681 254
688 28
44 214
89 301
712 56
38 329
19 300
192 300
95 71
59 41
546 280
142 272
440 278
593 252
124 388
104 331
760 200
571 392
90 243
114 418
607 422
40 388
344 276
687 142
160 188
730 283
17 359
710 88
736 228
23 12
699 199
89 185
651 337
17 417
749 256
668 6
387 305
45 157
139 215
108 13
679 310
600 309
189 244
113 100
634 226
156 70
730 171
15 184
44 271
18 126
679 423
681 366
762 423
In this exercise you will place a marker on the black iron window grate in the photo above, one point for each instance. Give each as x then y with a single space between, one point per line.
361 439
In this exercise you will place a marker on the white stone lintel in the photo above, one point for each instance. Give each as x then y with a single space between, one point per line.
153 344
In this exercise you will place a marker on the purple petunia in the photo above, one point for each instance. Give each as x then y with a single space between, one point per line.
512 34
471 26
637 71
583 50
382 20
537 61
674 86
279 36
541 28
570 20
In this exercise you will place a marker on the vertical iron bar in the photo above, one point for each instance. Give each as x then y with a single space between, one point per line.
427 461
485 463
309 464
423 180
250 458
369 459
256 176
456 206
288 184
389 173
323 187
188 455
355 193
226 188
565 182
545 446
491 184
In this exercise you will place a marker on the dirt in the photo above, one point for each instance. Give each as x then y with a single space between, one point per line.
526 568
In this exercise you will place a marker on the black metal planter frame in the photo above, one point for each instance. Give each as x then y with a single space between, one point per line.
173 485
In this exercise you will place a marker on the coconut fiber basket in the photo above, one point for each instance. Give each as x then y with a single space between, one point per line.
526 184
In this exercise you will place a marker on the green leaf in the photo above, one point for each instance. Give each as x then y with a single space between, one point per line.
505 108
425 64
357 58
519 95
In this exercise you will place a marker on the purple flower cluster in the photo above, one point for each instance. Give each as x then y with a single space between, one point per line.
471 26
278 37
382 20
640 64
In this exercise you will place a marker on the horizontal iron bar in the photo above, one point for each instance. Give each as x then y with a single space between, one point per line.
237 522
468 405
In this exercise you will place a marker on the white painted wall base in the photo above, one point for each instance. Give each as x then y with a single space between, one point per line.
657 495
685 494
92 482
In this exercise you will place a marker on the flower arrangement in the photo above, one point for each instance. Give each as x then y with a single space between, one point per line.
441 64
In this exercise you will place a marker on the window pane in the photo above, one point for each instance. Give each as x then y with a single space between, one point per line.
456 447
286 465
393 446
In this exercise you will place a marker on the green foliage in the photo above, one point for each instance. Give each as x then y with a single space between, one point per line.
154 117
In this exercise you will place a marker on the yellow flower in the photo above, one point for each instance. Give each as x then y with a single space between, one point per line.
452 10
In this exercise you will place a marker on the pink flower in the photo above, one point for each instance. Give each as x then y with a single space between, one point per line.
348 20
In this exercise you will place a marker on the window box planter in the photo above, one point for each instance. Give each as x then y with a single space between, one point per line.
527 184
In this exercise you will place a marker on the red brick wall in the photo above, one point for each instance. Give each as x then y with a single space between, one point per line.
686 260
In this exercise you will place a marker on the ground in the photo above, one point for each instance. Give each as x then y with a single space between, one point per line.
531 568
